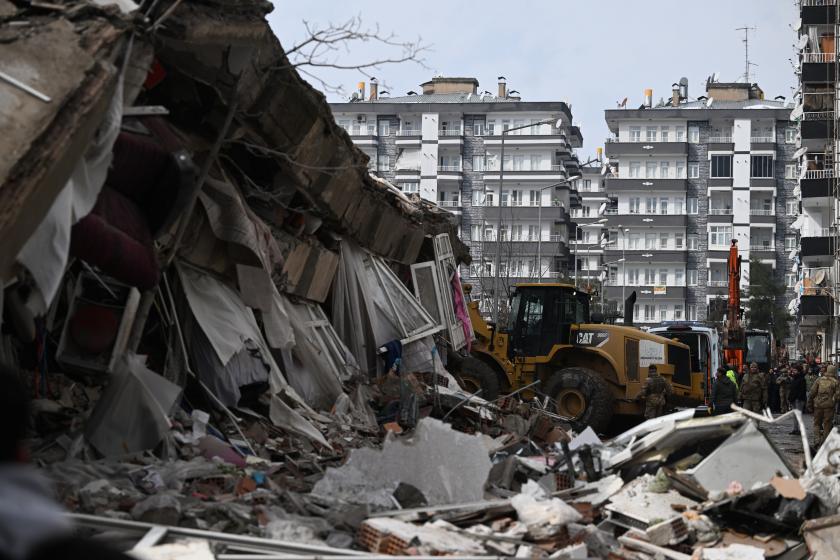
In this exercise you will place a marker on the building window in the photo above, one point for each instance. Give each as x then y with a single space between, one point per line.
649 312
663 240
384 128
693 170
694 134
691 205
790 171
409 187
678 312
691 312
663 312
680 132
635 205
587 185
721 167
478 129
635 169
650 135
635 241
790 242
692 277
790 279
761 166
679 241
664 169
650 205
791 207
678 206
633 277
650 170
693 242
720 235
790 135
491 128
664 134
475 233
650 241
663 205
679 277
635 134
478 163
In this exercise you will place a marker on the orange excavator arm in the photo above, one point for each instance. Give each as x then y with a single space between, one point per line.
733 340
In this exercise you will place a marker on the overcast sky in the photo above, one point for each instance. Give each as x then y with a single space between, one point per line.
588 53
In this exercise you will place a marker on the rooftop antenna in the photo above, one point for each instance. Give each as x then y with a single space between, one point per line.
746 41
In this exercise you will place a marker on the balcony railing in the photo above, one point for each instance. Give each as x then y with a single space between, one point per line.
816 232
762 247
362 131
810 3
449 203
557 238
819 174
450 132
818 116
717 283
611 212
720 211
409 132
762 139
382 167
818 57
720 139
760 212
449 168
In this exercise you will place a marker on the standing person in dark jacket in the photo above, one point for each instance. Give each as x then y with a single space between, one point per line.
724 392
773 390
797 393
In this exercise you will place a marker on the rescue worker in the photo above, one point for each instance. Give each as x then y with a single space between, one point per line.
724 392
811 376
765 384
821 400
655 393
784 389
753 391
732 377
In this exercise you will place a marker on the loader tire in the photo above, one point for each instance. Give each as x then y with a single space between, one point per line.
475 375
580 393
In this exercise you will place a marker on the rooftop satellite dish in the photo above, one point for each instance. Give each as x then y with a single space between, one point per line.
802 43
797 25
800 152
819 277
715 77
709 102
792 254
604 169
796 114
792 305
602 276
602 208
795 267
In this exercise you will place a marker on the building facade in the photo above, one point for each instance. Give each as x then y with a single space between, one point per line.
686 178
445 144
815 116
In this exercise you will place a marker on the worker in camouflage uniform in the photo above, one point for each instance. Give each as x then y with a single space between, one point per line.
655 393
784 390
822 398
753 390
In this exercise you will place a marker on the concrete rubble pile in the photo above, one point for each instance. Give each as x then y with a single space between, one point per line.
224 324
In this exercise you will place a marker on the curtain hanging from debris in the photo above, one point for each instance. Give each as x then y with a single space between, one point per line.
371 307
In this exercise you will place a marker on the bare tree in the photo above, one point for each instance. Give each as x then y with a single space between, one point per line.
330 46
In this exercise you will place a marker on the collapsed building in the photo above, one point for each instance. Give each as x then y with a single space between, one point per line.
240 344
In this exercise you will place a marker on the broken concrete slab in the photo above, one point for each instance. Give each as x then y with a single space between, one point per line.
747 457
635 506
391 536
544 518
827 460
823 537
446 466
733 552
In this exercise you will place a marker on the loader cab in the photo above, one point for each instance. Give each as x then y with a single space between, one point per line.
542 315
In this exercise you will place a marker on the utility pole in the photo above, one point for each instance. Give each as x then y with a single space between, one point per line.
746 41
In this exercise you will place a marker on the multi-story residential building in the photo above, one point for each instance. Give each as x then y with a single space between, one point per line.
686 178
446 145
589 242
816 273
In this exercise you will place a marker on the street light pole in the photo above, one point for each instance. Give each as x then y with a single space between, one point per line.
499 215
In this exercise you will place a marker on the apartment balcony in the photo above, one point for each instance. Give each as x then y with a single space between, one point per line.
554 172
647 255
717 283
364 135
658 185
817 244
719 216
816 192
450 204
817 12
759 247
722 143
451 137
616 148
762 212
818 67
816 125
762 142
819 174
556 139
658 220
409 137
450 172
646 293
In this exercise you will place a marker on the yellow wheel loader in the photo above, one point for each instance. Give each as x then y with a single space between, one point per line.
590 370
